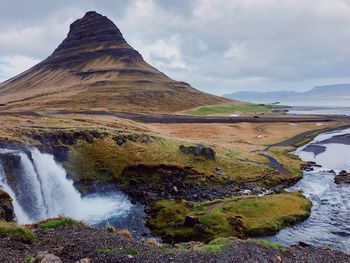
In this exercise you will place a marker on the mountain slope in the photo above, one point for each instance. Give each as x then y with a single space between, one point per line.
95 68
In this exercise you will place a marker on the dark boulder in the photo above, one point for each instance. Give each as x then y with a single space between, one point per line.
6 207
219 171
342 178
191 221
199 150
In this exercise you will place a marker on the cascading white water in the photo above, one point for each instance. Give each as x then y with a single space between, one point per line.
40 190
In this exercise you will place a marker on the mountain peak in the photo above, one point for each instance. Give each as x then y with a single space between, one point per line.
95 68
91 33
94 27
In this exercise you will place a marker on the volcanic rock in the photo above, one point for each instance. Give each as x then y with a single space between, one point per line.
45 257
191 221
6 207
342 178
199 150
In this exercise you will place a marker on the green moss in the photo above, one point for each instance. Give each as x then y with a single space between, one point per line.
113 250
60 222
232 154
131 251
238 107
215 246
254 216
28 259
211 249
106 250
11 229
267 244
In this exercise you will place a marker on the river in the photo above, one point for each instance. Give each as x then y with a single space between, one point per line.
329 223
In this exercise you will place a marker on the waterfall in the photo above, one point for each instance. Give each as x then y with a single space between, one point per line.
40 189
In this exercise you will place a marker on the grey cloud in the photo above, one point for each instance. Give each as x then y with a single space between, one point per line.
217 46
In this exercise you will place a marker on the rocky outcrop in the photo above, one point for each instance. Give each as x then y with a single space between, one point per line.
238 227
6 207
146 184
199 150
46 257
309 166
140 138
342 178
58 142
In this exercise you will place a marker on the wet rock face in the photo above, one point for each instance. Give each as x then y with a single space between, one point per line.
11 165
90 37
199 150
342 178
57 143
6 208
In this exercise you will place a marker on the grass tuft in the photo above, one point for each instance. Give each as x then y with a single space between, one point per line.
59 222
267 244
11 229
129 251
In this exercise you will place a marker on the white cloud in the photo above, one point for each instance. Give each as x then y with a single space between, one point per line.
14 65
163 53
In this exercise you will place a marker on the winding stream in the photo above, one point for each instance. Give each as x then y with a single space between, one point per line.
329 223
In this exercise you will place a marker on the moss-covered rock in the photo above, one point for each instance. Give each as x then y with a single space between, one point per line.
238 216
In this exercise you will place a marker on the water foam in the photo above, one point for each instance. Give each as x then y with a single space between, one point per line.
42 190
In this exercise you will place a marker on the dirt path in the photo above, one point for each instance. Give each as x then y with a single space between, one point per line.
154 118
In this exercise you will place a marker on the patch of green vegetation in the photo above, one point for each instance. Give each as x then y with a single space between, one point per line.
130 250
106 250
59 222
104 160
238 216
11 229
214 249
232 154
267 244
215 246
28 259
234 108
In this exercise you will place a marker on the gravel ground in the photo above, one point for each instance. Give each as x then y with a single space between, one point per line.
72 244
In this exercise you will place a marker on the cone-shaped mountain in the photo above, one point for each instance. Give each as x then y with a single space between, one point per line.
95 68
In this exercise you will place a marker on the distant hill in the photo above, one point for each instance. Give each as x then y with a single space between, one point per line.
95 68
329 91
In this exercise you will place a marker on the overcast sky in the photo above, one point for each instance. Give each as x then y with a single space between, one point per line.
217 46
